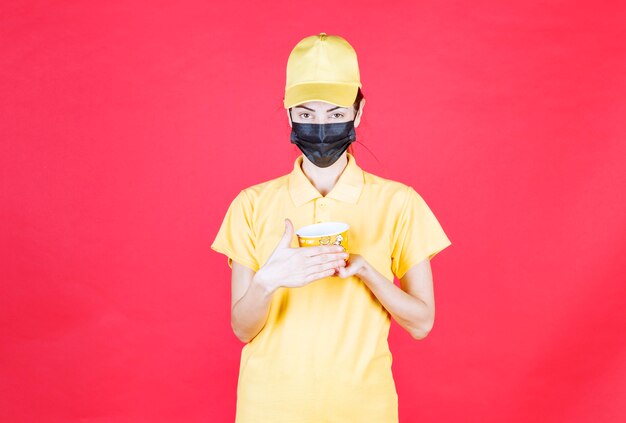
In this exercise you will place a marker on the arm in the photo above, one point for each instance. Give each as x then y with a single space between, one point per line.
287 267
250 303
412 305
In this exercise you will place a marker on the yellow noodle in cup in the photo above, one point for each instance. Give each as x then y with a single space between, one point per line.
325 233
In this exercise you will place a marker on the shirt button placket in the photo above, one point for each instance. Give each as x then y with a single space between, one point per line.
321 210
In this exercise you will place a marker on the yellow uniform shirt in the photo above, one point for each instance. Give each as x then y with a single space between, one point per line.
323 355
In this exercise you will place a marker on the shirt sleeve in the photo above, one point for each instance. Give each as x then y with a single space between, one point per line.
235 237
417 235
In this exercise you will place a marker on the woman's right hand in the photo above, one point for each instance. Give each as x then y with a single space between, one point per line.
295 267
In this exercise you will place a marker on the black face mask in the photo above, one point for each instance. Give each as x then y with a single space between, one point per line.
323 143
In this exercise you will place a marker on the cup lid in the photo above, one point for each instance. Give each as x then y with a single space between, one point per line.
322 229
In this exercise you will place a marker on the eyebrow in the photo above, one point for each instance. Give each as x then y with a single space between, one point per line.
329 110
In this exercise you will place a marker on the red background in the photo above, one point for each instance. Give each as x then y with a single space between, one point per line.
128 127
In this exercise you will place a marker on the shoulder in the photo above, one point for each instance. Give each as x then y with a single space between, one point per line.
395 193
248 202
267 189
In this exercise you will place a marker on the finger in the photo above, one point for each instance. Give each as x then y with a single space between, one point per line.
321 249
325 266
285 240
344 272
324 258
319 275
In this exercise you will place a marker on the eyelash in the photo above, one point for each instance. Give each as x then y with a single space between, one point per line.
305 113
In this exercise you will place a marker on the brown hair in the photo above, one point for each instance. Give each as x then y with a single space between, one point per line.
357 101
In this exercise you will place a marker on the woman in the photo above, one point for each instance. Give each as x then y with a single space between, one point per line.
314 324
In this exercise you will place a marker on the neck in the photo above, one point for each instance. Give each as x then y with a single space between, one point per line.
324 178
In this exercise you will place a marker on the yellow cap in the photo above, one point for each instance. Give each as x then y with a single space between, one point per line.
322 68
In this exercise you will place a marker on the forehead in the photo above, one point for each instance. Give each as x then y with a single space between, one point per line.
319 106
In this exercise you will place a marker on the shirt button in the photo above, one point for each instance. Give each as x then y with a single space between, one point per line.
322 204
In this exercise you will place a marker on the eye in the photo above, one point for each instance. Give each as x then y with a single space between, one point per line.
302 115
339 115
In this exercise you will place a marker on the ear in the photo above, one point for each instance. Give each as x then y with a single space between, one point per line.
357 118
289 117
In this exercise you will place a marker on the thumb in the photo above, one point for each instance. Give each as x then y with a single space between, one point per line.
285 241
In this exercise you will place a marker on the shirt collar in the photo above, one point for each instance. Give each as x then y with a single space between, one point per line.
347 189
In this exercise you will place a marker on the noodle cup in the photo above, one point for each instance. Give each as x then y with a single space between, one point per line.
325 233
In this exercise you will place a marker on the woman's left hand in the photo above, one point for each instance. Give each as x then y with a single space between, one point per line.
354 266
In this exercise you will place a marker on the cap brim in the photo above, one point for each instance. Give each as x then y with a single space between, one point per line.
339 94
